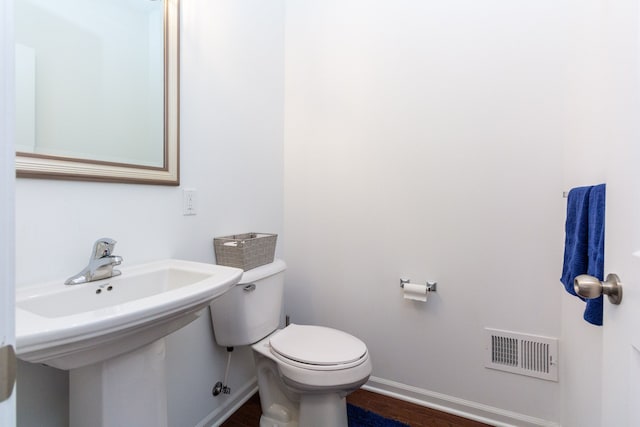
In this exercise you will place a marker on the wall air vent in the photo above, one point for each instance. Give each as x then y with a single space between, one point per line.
523 354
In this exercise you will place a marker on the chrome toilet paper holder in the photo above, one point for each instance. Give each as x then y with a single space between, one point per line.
432 285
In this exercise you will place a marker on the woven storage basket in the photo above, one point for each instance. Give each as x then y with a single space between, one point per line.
245 251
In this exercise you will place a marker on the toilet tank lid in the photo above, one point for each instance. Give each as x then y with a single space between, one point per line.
262 272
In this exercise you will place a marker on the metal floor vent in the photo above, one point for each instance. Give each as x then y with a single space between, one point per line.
523 354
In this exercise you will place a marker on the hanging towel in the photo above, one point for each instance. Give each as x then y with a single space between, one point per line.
576 253
593 312
584 242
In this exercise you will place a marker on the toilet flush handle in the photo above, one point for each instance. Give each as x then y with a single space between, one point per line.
249 288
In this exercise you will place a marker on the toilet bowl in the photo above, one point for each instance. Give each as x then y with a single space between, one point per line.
304 372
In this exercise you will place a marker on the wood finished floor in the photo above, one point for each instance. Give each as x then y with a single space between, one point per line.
416 416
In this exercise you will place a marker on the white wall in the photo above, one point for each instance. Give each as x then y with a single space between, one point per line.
424 140
231 152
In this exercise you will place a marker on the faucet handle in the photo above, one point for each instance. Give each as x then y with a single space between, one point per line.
103 247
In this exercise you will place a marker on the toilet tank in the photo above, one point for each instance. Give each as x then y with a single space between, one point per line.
251 309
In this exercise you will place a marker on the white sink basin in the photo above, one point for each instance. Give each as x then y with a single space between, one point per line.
69 327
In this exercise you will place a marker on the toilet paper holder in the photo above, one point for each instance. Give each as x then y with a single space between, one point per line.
432 286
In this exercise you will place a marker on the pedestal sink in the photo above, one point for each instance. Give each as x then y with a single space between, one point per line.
110 335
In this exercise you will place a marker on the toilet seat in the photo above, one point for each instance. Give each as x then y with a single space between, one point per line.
317 348
308 377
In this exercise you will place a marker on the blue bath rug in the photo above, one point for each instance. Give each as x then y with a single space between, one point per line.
359 417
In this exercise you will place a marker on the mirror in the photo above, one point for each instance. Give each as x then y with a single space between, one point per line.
97 90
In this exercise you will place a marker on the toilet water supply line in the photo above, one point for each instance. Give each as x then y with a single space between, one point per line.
222 387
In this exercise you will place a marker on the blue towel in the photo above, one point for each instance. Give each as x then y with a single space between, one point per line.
576 254
593 313
584 242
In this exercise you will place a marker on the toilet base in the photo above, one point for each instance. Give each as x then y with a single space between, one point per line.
319 410
266 421
316 410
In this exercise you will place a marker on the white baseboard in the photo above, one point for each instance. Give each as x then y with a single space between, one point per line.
430 399
453 405
223 412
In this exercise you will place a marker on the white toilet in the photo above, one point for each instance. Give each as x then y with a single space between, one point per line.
304 372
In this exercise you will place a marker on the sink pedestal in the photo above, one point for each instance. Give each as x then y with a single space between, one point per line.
127 390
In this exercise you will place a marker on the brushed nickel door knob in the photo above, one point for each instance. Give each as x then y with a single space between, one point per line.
591 287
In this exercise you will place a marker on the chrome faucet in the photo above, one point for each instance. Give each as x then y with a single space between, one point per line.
100 264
